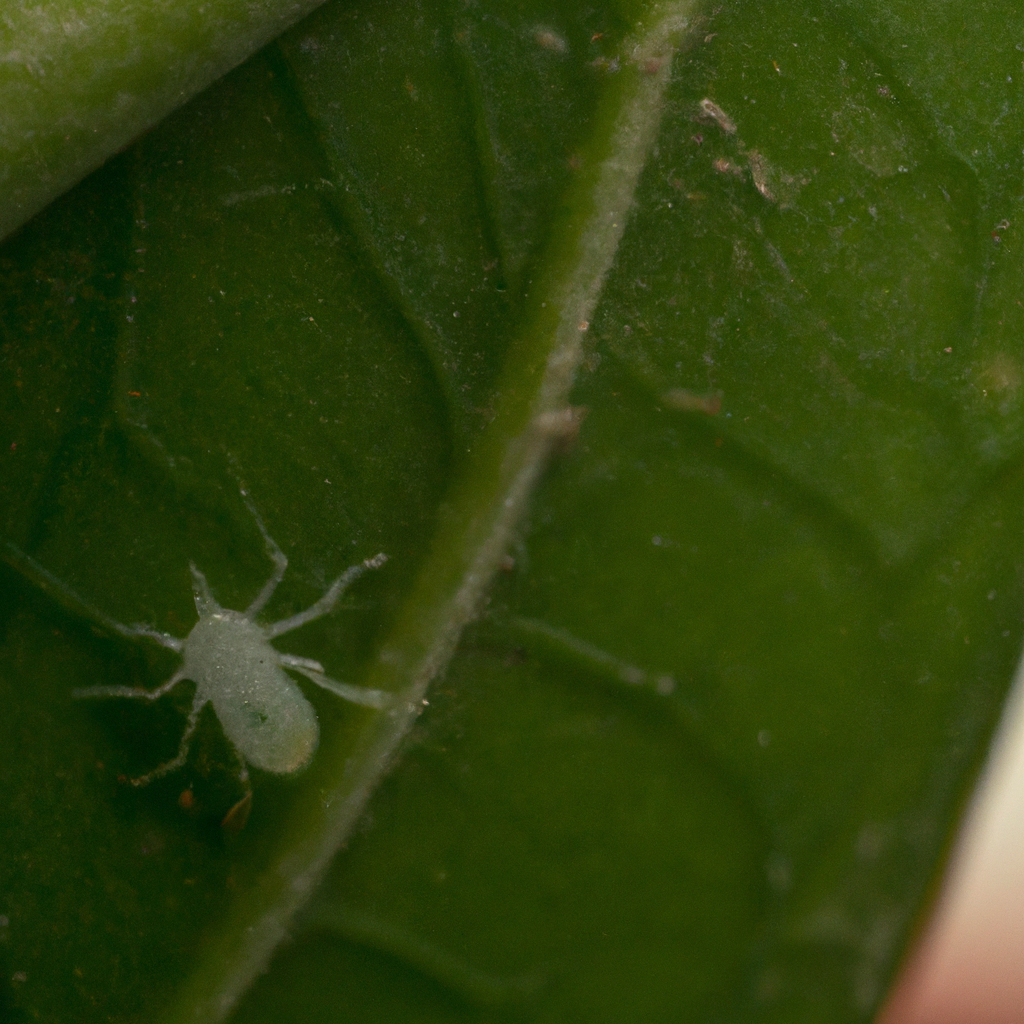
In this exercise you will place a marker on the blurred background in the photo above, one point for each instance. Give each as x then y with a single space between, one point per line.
967 965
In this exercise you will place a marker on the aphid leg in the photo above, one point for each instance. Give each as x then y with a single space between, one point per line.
294 661
164 639
130 691
356 694
277 556
73 601
206 603
327 602
182 755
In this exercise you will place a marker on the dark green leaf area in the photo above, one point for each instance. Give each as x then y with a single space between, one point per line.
803 252
964 71
450 140
551 848
844 699
103 892
258 344
59 306
966 74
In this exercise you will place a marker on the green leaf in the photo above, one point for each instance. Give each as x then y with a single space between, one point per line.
671 357
79 81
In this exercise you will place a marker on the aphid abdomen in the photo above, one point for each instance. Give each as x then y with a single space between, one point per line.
271 723
262 711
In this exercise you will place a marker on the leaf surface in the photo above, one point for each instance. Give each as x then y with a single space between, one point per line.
671 358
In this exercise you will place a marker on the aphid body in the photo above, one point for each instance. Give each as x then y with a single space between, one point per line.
230 658
263 713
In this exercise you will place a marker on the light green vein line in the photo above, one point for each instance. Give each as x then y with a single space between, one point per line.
561 641
481 514
410 948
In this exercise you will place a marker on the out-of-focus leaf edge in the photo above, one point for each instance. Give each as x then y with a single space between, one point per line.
77 87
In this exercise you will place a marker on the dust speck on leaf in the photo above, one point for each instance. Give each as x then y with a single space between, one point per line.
689 401
548 39
711 113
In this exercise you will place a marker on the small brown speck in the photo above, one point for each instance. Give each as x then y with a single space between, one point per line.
235 819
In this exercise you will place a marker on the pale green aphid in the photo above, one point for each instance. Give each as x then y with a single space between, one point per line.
228 655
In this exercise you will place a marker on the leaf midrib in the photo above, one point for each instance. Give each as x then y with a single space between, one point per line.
484 508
